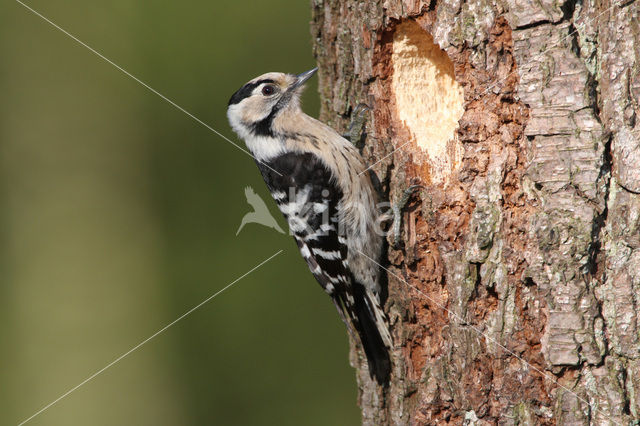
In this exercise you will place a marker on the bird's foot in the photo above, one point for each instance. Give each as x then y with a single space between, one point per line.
356 131
396 211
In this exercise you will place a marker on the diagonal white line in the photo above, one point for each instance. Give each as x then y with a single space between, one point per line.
537 55
385 157
486 336
163 329
142 83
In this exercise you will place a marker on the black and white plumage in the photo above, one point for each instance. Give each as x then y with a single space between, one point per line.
318 180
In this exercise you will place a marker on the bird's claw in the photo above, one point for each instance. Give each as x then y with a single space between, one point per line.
357 126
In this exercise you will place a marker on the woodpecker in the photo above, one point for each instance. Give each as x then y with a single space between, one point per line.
321 185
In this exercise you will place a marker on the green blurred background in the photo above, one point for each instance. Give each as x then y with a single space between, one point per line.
118 213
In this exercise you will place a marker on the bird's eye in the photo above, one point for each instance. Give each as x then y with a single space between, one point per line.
268 90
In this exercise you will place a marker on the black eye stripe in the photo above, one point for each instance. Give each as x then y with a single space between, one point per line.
246 90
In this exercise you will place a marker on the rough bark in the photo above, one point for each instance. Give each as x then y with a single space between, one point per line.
514 296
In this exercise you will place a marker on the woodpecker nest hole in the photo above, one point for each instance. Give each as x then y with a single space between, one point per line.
429 101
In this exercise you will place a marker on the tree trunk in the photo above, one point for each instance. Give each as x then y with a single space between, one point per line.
514 295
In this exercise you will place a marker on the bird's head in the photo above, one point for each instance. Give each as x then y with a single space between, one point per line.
255 105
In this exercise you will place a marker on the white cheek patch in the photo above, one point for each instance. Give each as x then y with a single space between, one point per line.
233 115
254 109
264 148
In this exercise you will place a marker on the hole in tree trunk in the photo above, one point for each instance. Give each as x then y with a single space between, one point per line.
429 101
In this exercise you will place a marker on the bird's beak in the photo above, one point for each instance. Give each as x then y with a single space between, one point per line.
302 78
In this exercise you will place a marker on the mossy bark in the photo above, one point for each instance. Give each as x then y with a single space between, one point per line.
514 296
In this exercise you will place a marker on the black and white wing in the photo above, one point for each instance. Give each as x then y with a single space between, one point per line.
307 195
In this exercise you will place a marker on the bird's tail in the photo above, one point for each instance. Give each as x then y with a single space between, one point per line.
372 327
